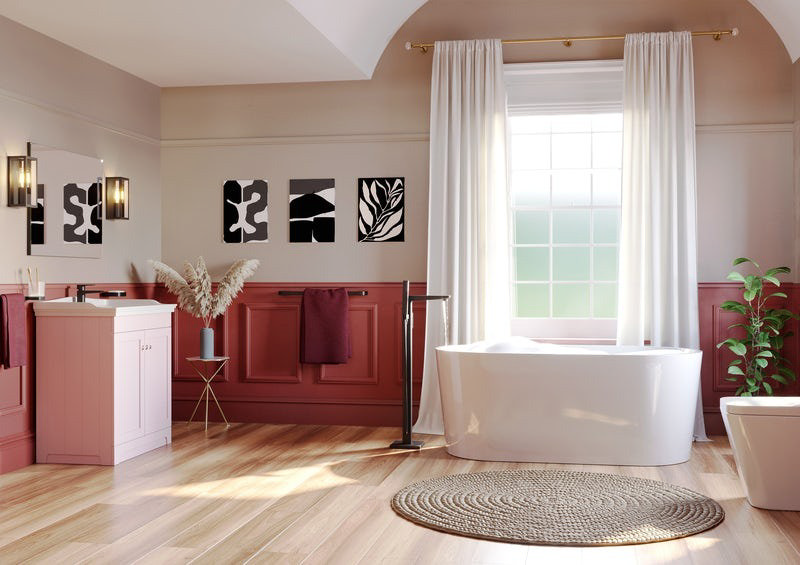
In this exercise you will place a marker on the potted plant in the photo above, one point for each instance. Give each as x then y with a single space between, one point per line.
759 364
196 297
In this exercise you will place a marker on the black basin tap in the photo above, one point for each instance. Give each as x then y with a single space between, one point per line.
83 291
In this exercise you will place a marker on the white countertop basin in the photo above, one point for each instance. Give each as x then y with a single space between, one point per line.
100 307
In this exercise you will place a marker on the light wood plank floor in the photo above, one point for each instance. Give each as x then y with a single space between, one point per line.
320 494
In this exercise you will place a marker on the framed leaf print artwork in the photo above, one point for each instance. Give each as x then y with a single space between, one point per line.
381 203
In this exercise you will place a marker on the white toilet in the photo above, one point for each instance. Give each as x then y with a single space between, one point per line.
765 436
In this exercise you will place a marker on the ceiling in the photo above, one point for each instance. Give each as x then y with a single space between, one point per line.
784 16
195 42
202 42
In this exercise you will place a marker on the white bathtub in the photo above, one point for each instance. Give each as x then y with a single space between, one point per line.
526 401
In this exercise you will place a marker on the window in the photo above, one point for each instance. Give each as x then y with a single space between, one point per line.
565 170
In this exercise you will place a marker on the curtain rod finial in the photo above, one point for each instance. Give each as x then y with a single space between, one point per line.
408 46
735 31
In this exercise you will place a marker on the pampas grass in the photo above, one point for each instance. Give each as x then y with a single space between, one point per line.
193 289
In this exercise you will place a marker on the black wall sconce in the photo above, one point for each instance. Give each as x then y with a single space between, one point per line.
23 187
117 198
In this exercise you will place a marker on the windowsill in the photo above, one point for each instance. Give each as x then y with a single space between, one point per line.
576 340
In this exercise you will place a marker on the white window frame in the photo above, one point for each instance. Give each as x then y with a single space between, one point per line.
574 87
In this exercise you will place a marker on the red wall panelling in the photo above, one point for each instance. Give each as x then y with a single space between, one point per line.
16 405
265 381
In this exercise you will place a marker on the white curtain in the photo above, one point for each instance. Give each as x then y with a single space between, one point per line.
658 236
468 206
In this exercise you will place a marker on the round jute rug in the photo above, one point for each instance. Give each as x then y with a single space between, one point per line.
547 507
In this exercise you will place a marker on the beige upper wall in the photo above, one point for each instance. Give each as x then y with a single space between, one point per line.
746 80
54 95
43 69
796 75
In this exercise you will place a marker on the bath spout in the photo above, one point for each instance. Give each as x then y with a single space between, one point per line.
407 322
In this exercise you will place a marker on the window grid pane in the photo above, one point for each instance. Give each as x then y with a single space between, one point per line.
572 259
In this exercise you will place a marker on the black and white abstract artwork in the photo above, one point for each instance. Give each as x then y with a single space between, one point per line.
312 210
245 211
83 219
36 220
380 209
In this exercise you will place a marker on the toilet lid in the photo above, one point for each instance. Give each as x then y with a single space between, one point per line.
766 406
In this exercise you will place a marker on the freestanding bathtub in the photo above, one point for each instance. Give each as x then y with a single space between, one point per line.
526 401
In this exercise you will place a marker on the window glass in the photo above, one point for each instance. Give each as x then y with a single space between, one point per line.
565 204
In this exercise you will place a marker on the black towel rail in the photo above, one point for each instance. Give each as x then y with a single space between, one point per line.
300 293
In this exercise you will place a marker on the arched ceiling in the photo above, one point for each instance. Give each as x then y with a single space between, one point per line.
205 42
784 16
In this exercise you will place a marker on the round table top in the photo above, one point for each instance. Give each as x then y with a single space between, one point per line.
207 359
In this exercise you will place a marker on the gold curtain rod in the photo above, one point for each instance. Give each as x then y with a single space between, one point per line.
568 41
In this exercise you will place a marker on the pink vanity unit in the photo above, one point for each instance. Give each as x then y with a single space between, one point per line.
103 379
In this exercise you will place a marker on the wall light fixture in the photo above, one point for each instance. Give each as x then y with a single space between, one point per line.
23 188
117 198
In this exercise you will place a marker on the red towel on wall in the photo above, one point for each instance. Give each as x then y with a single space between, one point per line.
13 344
325 329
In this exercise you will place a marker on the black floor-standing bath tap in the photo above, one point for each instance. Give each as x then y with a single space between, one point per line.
408 323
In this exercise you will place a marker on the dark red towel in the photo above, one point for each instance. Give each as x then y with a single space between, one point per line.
325 330
14 345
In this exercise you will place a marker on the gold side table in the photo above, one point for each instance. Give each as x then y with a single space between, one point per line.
202 367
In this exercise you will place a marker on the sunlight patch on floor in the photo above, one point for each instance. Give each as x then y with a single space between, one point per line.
255 487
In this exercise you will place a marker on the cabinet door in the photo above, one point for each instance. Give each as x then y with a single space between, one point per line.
128 386
157 380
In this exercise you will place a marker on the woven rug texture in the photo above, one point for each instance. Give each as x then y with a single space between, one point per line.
550 507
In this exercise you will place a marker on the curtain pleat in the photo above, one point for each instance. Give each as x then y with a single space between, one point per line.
468 206
658 235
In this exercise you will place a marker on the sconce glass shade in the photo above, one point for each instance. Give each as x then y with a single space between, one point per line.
23 187
117 198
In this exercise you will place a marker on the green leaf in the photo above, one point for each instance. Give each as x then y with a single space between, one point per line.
750 381
776 270
734 276
741 260
762 362
735 362
734 306
749 295
778 295
779 378
766 353
738 349
734 370
771 279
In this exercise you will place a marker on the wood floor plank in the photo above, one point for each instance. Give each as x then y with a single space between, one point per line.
70 552
213 508
261 493
353 538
